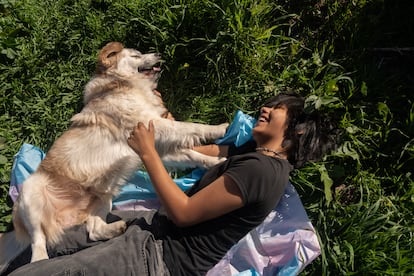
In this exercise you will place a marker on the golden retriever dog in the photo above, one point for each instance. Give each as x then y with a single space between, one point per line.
89 162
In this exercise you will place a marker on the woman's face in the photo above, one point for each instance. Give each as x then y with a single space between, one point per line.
271 124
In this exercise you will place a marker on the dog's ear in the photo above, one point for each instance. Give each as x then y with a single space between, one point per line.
107 56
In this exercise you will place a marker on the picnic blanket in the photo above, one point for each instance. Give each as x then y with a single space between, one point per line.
282 245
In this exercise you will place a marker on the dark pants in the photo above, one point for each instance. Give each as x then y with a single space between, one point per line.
136 252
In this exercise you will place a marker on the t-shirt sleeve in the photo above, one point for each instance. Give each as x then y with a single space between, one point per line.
248 174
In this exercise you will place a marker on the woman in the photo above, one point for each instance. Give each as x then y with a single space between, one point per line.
193 230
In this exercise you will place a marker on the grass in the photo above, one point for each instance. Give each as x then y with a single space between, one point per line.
351 59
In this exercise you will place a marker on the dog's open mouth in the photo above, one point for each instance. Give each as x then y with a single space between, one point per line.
150 70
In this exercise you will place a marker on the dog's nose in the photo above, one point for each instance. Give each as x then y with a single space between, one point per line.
158 55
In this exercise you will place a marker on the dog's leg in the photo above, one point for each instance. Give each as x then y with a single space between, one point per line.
39 251
35 231
173 135
187 158
34 228
30 209
98 228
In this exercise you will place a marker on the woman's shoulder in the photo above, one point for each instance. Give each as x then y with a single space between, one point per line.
259 165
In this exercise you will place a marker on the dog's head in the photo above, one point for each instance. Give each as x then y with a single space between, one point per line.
115 59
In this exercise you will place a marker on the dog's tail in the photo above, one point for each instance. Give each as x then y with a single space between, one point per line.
10 248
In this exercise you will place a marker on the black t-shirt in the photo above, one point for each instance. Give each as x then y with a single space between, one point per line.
194 250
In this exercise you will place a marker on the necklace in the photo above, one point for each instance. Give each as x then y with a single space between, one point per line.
276 153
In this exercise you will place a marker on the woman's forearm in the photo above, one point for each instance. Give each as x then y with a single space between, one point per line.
170 195
142 141
213 150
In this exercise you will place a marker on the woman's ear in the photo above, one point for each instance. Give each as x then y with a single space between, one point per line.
300 129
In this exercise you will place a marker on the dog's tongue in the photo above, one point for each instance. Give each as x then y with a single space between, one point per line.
153 71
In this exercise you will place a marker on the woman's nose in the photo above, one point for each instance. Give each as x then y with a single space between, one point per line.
265 109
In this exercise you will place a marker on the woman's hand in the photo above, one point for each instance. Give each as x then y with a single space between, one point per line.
142 139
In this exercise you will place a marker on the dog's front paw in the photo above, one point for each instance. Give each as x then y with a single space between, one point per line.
210 161
118 227
102 231
224 126
222 129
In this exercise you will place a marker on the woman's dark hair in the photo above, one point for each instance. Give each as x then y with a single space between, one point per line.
308 136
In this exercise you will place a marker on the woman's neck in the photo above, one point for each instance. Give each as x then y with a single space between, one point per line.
274 151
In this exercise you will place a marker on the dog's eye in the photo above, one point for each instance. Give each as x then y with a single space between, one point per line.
137 54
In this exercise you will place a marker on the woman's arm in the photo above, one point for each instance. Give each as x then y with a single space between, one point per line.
218 198
213 150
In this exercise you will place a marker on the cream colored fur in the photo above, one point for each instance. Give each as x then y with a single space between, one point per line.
89 162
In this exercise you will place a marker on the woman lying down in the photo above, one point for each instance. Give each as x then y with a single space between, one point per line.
193 230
